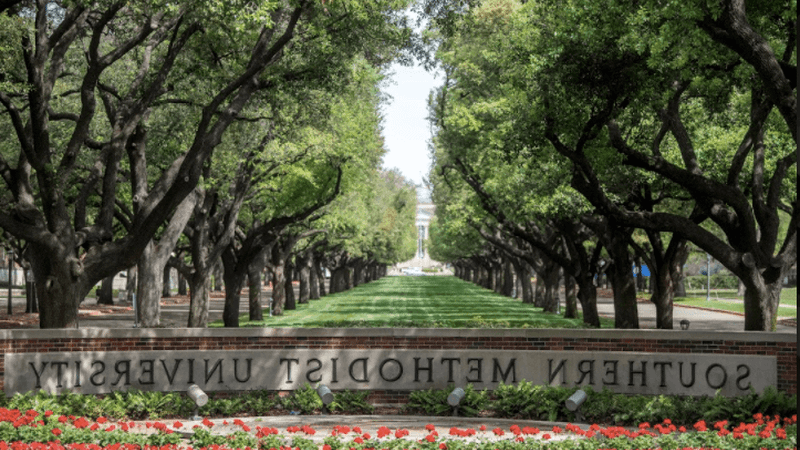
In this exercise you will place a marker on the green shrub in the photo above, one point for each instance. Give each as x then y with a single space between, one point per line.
718 281
528 401
433 402
522 401
304 400
258 403
351 402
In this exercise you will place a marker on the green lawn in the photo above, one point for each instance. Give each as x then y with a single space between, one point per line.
788 297
417 302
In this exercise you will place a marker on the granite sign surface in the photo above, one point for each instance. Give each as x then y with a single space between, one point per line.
386 369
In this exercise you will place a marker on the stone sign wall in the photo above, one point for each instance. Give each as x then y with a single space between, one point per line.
392 362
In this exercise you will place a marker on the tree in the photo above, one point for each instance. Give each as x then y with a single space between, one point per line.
735 104
60 143
619 99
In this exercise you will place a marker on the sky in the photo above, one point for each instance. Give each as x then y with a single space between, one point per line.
405 128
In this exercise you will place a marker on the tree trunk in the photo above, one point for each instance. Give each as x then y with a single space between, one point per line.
105 295
526 288
358 273
551 284
587 295
217 276
130 284
278 289
254 271
570 296
182 284
234 280
508 279
149 283
291 304
198 299
166 288
540 290
254 293
497 278
339 279
762 297
662 297
31 305
59 286
313 279
320 277
304 276
626 314
348 278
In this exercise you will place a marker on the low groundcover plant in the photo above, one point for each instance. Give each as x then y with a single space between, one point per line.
34 430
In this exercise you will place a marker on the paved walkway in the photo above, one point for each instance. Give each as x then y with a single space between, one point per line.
411 428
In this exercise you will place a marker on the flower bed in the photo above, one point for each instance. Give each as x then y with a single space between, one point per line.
32 430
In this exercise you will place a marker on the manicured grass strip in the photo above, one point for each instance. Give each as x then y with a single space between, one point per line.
446 302
788 295
732 305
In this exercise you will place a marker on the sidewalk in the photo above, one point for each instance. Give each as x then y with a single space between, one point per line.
411 428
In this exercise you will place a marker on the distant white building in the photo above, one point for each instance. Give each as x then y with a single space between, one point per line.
422 257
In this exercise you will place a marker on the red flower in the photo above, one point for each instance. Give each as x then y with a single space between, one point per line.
700 425
101 420
358 440
443 446
546 436
430 427
56 431
208 423
177 425
383 432
430 438
498 432
81 423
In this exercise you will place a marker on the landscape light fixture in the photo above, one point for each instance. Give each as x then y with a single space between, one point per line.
574 403
455 398
199 398
684 324
325 395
